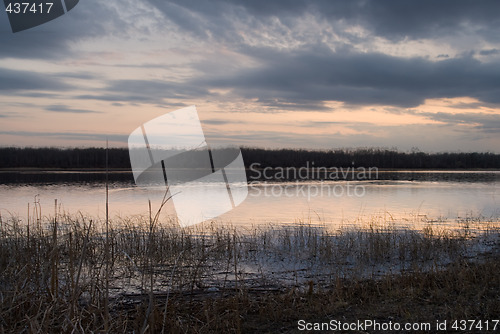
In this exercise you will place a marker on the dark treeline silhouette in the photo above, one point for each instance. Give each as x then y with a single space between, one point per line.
74 158
379 158
118 158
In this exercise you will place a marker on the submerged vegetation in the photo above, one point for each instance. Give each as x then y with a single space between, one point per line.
65 274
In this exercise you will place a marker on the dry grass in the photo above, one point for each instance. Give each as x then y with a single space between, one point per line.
56 274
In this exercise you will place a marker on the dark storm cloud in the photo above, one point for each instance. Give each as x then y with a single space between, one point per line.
304 80
318 74
392 19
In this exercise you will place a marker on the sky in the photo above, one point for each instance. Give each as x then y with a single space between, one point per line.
407 75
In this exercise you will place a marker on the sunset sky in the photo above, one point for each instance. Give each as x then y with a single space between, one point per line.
296 73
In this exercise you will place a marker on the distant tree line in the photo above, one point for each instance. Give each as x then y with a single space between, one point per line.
74 158
118 158
379 158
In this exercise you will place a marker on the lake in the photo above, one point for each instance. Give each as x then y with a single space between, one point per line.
405 198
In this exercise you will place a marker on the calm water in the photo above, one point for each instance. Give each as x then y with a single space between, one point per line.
403 197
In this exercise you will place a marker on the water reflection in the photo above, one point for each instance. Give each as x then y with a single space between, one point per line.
404 197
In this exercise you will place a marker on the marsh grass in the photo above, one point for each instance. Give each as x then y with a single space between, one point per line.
56 274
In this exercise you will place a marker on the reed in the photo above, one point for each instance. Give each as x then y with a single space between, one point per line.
76 274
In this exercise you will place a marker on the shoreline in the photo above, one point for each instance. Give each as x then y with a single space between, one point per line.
128 170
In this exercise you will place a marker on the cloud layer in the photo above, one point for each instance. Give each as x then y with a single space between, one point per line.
392 57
